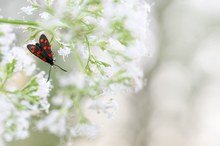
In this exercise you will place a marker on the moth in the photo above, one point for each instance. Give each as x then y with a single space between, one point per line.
43 51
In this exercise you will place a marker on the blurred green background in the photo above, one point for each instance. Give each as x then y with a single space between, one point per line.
180 104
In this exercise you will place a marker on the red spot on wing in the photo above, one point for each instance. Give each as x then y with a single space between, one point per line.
32 50
44 59
38 53
45 41
42 40
45 47
50 55
32 47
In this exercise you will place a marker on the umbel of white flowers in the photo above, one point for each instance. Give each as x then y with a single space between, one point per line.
17 106
105 41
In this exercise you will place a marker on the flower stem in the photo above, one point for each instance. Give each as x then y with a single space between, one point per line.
88 70
77 56
89 50
4 82
18 22
8 92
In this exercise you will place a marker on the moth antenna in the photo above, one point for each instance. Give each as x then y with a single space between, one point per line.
49 74
61 68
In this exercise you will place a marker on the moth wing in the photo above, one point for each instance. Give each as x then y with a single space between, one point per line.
45 45
34 49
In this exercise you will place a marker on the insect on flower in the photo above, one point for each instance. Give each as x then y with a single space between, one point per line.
43 51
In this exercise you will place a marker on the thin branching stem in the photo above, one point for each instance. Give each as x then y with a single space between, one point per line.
77 56
89 51
18 22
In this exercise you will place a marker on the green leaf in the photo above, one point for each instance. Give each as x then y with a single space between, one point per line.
123 34
20 106
10 68
88 70
105 64
30 87
103 45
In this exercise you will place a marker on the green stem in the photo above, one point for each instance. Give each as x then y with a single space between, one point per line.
77 56
18 22
8 92
84 23
87 68
28 84
76 103
89 50
4 82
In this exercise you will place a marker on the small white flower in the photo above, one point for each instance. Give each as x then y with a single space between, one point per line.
7 37
55 122
78 79
5 110
21 121
63 101
23 61
44 15
45 105
87 130
116 45
136 74
108 107
28 10
83 51
44 87
58 100
64 52
24 122
43 91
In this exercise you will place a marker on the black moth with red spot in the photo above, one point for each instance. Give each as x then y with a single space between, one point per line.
43 51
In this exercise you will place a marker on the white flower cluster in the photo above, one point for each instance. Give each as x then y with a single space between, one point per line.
42 92
28 10
108 40
9 52
64 52
56 121
86 130
6 37
16 125
107 107
23 61
18 104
